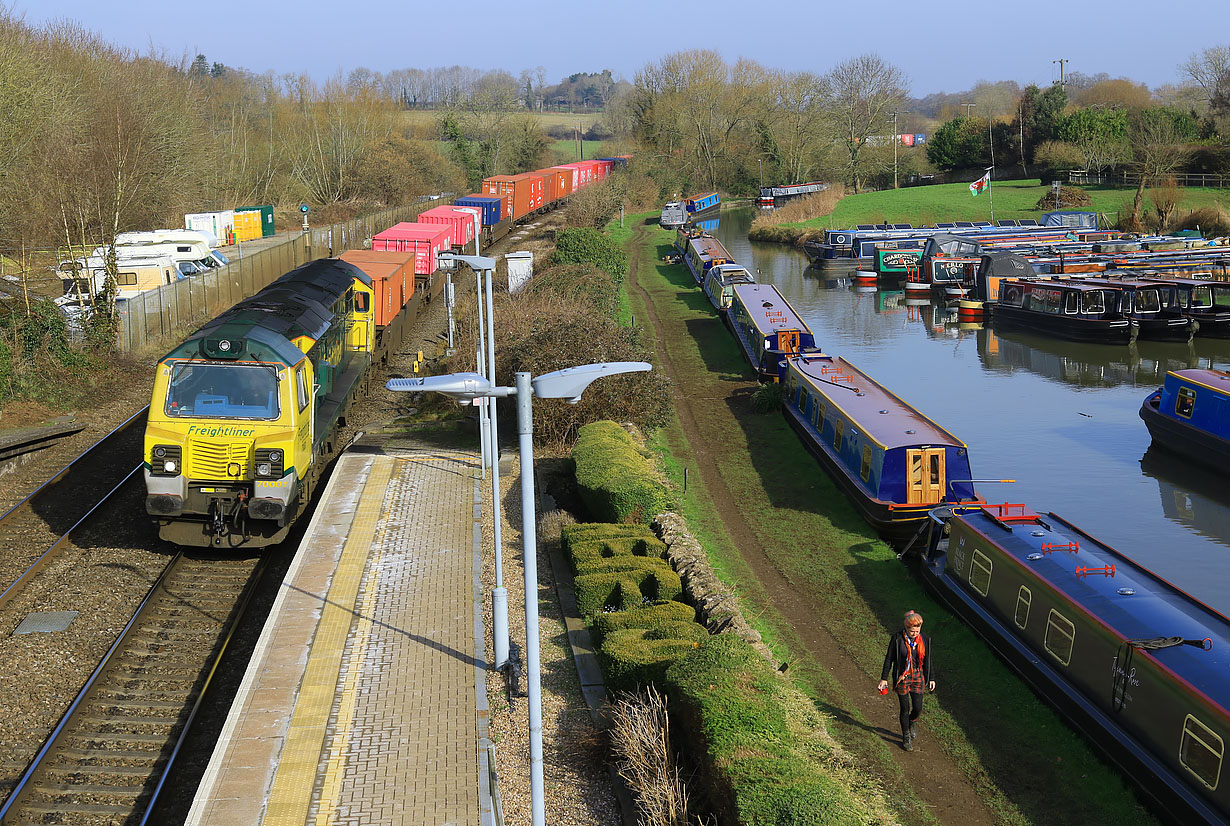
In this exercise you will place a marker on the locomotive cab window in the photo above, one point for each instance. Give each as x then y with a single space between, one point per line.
1060 635
1201 751
222 391
301 388
360 302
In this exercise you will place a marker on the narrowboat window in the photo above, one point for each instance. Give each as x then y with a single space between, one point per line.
818 415
1201 751
1069 302
838 426
934 461
1060 634
1125 302
1221 297
1182 299
1147 301
1185 403
301 388
1202 298
865 470
1023 600
980 572
1093 302
1013 296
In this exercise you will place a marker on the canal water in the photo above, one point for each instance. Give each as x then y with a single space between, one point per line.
1060 418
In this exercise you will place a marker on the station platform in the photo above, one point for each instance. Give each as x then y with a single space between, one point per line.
365 698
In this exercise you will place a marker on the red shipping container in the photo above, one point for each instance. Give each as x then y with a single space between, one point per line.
562 179
571 175
392 275
426 241
462 223
495 185
471 213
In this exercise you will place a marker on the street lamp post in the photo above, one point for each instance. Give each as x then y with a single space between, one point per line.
896 140
568 383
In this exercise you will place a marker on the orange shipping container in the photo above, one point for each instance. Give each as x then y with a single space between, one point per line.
494 186
392 275
571 176
562 179
525 191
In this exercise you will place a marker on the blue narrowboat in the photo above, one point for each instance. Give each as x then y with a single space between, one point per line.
1190 415
1135 664
767 328
720 284
893 462
1064 309
703 252
698 204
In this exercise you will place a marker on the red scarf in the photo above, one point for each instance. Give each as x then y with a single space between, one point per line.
909 660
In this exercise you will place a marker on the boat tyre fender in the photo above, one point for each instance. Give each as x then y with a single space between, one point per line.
1133 329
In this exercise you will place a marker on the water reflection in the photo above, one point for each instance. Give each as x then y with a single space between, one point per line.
1191 496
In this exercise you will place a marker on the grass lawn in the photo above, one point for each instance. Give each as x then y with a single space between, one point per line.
1027 765
921 205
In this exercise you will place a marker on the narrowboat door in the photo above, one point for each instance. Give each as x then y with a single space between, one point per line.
926 480
788 341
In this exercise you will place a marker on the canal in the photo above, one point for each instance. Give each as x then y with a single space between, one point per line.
1058 417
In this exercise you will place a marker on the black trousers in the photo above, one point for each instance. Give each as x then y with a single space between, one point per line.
904 701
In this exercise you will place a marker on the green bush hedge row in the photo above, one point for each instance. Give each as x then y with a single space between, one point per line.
763 766
586 556
656 615
615 480
632 657
624 589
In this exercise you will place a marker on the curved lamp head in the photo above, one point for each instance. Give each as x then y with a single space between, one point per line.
461 386
571 382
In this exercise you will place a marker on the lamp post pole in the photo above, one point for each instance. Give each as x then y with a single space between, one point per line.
896 140
499 594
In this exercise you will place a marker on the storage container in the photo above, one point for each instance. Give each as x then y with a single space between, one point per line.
247 226
267 228
220 225
426 241
392 275
490 206
462 223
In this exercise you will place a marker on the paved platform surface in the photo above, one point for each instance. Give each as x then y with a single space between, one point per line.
364 701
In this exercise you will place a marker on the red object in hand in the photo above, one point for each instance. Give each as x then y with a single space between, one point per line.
884 690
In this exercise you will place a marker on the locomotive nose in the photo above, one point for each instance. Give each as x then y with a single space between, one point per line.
164 505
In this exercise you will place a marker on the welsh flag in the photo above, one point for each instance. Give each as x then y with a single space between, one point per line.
980 184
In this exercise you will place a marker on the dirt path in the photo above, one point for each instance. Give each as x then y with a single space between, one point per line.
939 783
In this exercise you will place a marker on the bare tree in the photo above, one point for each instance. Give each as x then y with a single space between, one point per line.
864 91
797 123
1158 149
1206 68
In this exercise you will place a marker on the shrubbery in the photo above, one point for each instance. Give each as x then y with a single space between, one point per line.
588 245
615 480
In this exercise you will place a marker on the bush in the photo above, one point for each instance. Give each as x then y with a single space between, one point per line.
586 531
1213 222
630 657
583 282
763 746
587 245
767 398
625 590
615 480
585 555
1058 156
652 616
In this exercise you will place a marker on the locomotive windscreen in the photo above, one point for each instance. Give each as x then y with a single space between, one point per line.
223 391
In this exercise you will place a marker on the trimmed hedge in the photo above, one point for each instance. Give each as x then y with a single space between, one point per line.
626 589
631 657
587 531
764 766
587 245
586 555
646 616
615 480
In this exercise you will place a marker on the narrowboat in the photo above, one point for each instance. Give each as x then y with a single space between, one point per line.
893 264
1190 415
674 215
701 253
1076 311
1133 662
1205 302
893 462
685 234
767 328
699 204
720 281
1153 306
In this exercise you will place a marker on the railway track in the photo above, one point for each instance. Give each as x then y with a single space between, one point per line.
108 758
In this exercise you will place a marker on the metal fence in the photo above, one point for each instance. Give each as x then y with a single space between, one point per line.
1081 176
164 316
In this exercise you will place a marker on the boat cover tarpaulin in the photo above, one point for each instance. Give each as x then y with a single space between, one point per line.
1004 265
942 243
1079 220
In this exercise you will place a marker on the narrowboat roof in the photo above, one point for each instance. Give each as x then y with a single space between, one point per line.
1116 592
1057 283
730 272
700 196
1216 380
767 308
882 415
707 245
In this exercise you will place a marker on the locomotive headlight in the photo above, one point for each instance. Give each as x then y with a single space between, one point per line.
169 466
160 452
165 460
264 469
275 456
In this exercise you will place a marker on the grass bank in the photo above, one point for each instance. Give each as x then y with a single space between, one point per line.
1010 747
923 205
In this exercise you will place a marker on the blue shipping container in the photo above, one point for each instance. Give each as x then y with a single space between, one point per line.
489 205
920 139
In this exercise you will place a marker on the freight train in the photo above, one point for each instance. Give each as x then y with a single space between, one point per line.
245 412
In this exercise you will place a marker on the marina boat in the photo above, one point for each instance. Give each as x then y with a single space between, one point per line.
685 234
674 215
1153 306
720 282
893 462
1133 662
1076 311
767 328
1190 415
703 252
777 195
698 205
1205 302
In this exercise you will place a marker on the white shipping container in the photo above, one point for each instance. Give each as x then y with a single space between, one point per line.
220 224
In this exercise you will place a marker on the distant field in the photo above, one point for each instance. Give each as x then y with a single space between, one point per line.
427 117
1013 199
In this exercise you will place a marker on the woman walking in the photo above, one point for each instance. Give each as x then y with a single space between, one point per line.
909 661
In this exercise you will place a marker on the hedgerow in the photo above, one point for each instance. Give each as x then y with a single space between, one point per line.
615 480
587 245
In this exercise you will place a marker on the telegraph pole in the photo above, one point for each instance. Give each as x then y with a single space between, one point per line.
896 140
968 106
1061 61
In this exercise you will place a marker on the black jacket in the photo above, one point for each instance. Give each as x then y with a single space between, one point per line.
897 658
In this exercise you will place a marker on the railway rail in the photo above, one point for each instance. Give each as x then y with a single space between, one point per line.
109 757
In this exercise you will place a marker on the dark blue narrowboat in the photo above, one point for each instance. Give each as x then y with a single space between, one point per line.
893 462
1134 663
720 283
1205 302
1070 310
700 204
1190 415
703 252
1153 306
767 328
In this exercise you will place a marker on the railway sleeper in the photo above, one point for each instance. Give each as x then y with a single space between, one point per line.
69 808
67 773
103 740
108 725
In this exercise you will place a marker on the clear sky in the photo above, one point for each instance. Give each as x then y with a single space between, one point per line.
941 45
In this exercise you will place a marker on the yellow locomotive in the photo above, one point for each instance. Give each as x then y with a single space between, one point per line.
244 412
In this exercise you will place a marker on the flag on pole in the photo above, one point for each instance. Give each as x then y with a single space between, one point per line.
980 184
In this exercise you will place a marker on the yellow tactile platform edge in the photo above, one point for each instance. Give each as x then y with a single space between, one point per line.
298 766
